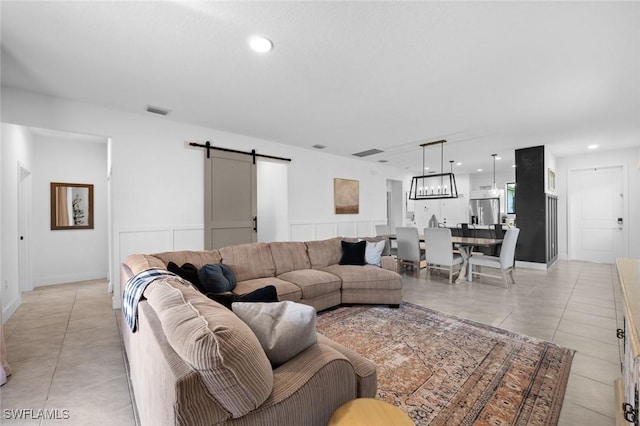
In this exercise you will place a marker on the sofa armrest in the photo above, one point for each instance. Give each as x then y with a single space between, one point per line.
166 389
365 369
389 262
307 389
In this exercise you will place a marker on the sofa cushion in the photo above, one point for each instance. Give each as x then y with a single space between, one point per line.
264 294
197 258
325 252
284 329
216 343
353 253
367 277
285 289
216 278
289 256
313 282
249 261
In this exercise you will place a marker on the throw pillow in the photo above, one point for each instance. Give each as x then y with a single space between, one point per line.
284 329
266 294
187 271
229 274
216 278
373 252
353 253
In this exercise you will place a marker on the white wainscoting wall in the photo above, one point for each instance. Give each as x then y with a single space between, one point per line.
153 240
309 231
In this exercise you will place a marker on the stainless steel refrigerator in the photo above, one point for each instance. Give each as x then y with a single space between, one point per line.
484 211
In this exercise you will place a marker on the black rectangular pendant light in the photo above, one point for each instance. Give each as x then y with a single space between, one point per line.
434 186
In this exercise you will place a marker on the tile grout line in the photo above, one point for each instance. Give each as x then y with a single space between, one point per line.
573 288
615 284
75 296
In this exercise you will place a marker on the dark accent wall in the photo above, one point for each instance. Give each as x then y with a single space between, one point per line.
531 205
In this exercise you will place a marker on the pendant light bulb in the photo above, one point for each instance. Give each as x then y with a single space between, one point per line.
494 188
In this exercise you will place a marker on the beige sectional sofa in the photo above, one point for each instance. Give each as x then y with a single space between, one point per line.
194 362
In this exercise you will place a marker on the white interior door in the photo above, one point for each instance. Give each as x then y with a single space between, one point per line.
24 229
596 215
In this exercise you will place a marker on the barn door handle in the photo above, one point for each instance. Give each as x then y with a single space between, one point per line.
255 223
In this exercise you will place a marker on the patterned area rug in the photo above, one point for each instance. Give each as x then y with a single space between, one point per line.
444 370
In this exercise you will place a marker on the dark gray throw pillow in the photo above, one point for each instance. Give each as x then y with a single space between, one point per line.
229 275
187 271
353 253
216 278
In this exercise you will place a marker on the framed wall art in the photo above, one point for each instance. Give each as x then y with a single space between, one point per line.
346 196
71 206
551 180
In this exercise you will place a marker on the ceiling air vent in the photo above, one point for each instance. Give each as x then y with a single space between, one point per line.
367 153
383 161
318 146
158 110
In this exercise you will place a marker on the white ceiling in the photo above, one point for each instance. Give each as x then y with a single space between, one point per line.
489 77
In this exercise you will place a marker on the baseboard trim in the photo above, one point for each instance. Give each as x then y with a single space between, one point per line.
71 278
11 309
531 265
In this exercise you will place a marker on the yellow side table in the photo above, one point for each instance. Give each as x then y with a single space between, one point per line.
369 412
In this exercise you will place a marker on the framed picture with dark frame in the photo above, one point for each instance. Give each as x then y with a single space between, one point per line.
71 206
511 198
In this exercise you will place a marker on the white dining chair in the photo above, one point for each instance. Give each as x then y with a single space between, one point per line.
439 251
409 251
504 262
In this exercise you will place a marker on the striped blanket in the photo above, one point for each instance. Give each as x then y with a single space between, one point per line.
133 293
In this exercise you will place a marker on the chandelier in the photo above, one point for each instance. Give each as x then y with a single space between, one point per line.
436 185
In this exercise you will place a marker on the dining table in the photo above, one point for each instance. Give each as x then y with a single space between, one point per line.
465 245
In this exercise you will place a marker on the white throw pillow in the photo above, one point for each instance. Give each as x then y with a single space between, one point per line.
373 252
284 329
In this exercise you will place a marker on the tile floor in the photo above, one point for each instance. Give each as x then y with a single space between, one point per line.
65 351
574 304
64 345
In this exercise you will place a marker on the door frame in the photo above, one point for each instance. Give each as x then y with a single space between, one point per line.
625 207
25 272
395 196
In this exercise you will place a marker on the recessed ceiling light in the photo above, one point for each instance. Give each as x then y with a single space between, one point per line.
479 170
260 44
458 164
426 168
513 165
498 158
594 146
